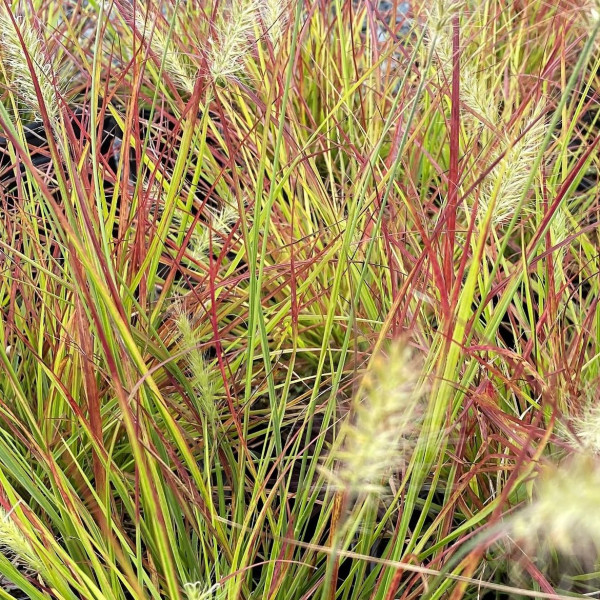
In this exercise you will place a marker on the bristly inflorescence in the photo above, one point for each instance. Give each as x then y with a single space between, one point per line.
200 374
20 39
233 38
563 515
13 541
474 89
274 14
175 63
504 186
384 424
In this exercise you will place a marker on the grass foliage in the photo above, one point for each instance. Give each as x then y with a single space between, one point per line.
299 300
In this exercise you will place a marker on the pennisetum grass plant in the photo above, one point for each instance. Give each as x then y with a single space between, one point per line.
203 266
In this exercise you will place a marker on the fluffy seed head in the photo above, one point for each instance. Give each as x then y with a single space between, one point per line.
200 373
439 15
198 590
474 88
174 63
220 225
504 185
564 513
592 8
13 540
385 424
13 54
587 429
203 235
233 39
274 15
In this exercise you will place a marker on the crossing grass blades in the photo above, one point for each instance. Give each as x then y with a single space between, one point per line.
299 300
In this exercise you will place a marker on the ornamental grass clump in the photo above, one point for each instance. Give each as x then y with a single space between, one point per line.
180 380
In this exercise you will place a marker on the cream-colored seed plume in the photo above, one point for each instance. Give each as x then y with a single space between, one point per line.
13 540
204 235
592 8
12 54
221 223
200 373
474 89
564 513
587 428
439 15
504 185
200 591
180 70
233 39
274 15
385 424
